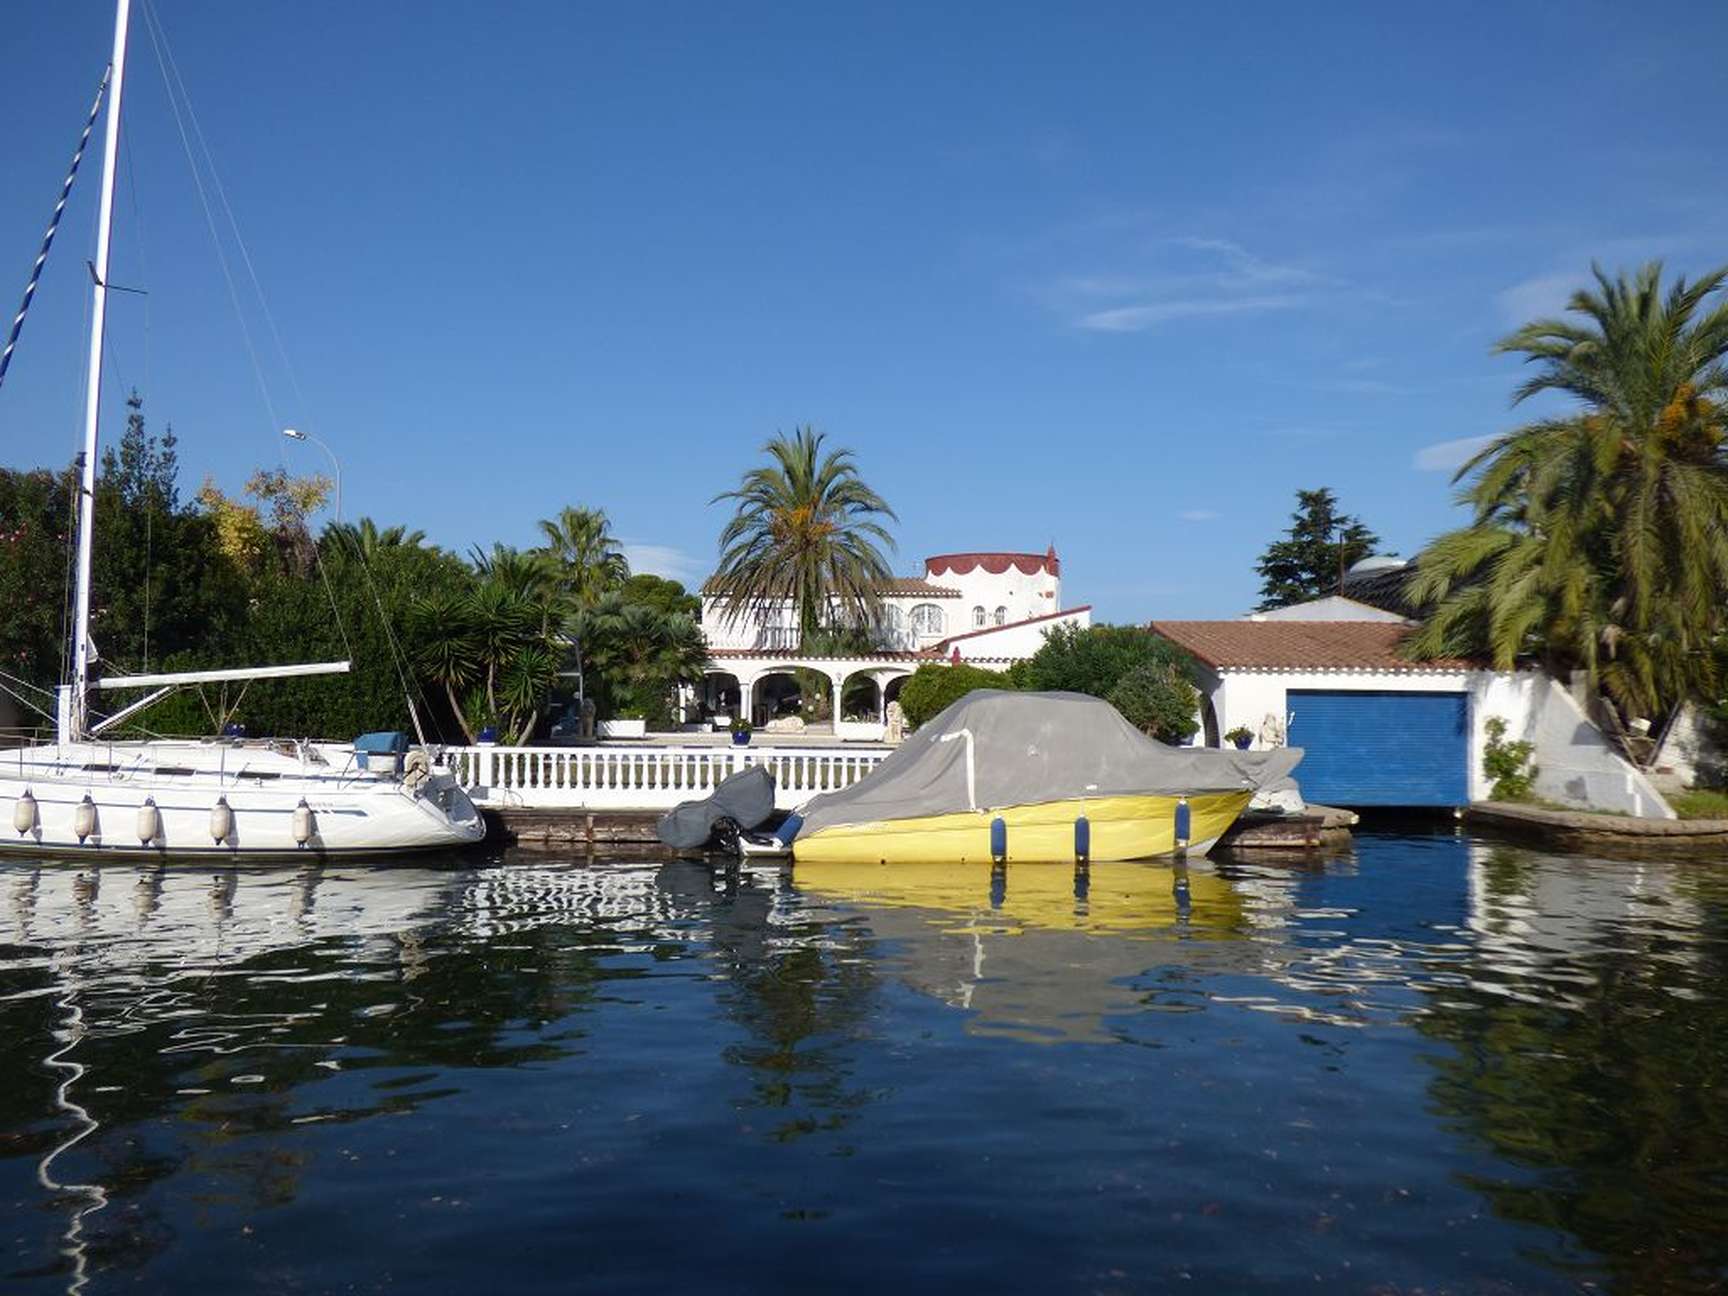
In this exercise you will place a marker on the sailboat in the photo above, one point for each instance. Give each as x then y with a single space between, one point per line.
89 795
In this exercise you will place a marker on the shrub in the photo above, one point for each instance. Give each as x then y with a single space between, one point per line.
1096 659
1157 699
1507 764
933 688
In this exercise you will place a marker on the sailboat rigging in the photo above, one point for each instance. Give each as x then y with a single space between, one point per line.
235 798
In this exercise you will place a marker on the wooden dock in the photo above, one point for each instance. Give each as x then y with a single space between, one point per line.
1320 826
570 829
588 830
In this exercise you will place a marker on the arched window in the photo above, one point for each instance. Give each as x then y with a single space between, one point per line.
978 617
1001 616
926 619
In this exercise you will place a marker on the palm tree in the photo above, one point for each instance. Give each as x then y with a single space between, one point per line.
585 557
446 647
525 574
1600 536
365 539
585 563
805 532
641 652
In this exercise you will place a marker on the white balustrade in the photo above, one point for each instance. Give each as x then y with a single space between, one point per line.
613 776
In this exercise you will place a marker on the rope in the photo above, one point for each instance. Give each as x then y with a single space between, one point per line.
158 40
53 226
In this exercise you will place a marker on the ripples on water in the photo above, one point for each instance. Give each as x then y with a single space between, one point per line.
1431 1064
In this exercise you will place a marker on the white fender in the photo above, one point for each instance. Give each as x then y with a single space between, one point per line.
149 821
305 822
24 813
221 820
84 819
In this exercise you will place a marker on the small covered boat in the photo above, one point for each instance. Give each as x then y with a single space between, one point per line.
1034 776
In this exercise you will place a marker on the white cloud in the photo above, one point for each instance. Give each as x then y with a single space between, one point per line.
1541 297
665 560
1158 280
1449 456
1198 515
1131 319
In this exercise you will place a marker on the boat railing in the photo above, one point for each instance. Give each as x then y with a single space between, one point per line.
613 776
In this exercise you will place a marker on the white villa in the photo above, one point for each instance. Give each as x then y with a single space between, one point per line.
989 609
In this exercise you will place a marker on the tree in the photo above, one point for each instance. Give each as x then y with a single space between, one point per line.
1311 562
35 553
935 687
366 540
585 559
1159 700
1600 536
446 648
662 594
1095 659
806 532
641 654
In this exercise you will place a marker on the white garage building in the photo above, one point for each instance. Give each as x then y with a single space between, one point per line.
1381 730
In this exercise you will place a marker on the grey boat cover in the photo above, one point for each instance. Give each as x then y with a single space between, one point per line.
747 796
1033 747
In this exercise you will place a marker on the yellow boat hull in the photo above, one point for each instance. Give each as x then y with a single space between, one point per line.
1121 828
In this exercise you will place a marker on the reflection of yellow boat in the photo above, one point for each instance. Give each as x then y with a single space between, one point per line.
1119 828
1040 953
1120 899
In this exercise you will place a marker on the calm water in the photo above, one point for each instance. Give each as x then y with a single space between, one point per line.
1429 1065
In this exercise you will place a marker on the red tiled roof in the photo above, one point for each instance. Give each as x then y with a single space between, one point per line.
918 585
1301 645
1010 625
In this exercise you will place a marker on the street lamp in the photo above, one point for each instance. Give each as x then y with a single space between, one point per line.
294 434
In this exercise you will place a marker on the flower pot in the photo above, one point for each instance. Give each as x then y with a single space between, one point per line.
740 738
1243 744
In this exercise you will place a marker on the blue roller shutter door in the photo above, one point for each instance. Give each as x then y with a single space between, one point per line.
1381 749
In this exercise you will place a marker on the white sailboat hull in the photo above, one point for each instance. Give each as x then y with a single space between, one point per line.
84 800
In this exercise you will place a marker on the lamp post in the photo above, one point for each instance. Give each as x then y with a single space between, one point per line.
294 434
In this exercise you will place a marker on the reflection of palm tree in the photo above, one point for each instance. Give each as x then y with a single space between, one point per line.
802 996
1600 1073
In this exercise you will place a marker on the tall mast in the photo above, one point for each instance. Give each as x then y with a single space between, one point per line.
72 719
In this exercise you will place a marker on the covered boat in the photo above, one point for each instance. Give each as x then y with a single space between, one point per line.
1034 776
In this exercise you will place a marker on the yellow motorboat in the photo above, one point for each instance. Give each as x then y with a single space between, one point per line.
1100 828
1004 776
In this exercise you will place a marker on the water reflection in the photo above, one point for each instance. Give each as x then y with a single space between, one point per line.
1038 952
1421 1062
1588 1043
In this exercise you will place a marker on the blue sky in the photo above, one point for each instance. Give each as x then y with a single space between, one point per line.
1117 277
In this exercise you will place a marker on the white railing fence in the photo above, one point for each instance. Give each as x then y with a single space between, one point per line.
618 777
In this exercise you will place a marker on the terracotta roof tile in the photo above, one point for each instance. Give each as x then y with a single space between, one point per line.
1300 645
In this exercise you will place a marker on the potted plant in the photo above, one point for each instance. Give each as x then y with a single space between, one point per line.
740 732
629 722
1241 736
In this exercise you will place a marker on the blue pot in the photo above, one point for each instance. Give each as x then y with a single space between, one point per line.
740 738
